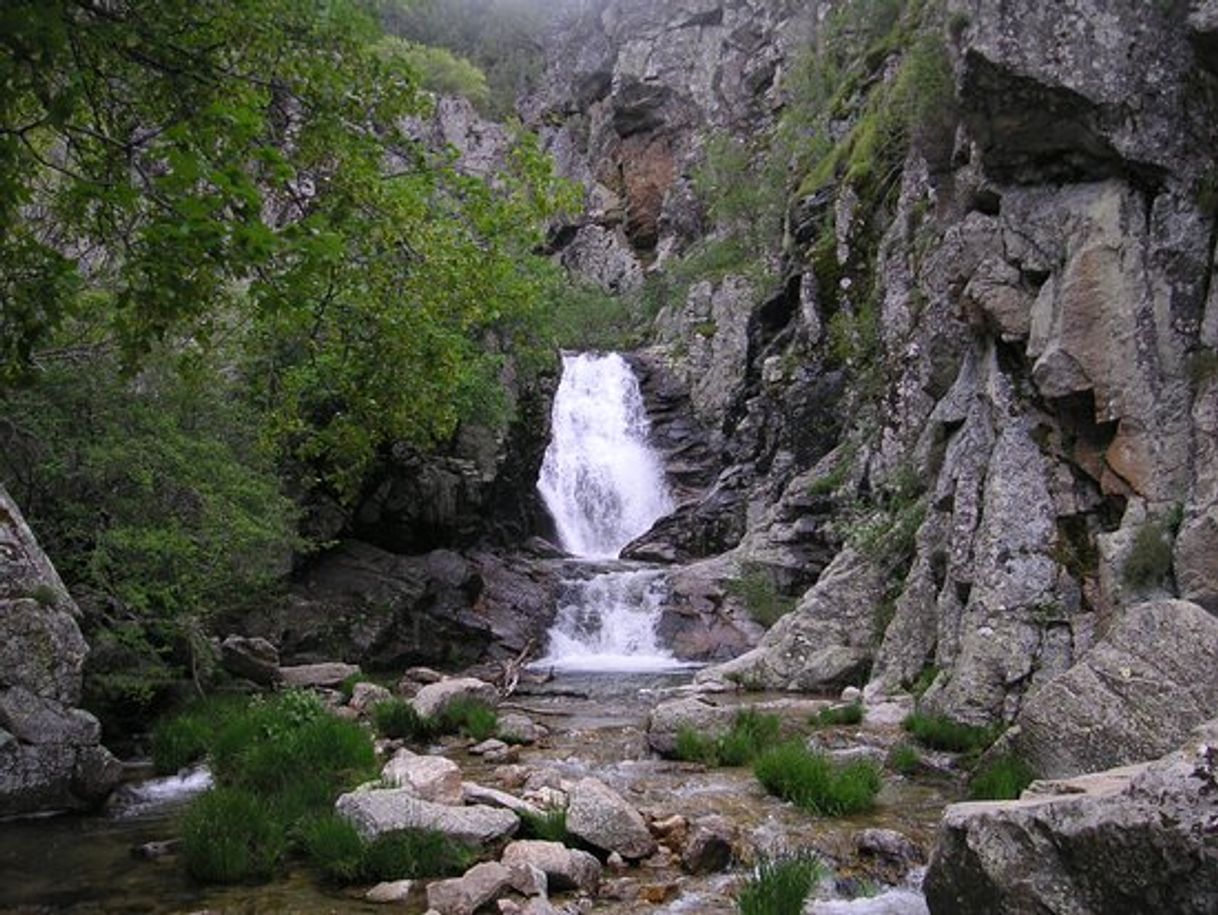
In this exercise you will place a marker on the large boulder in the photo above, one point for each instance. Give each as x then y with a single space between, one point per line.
565 868
254 659
434 698
50 751
1137 840
376 811
429 778
1133 697
480 885
604 819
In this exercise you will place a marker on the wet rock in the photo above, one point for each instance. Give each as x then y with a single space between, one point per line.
153 851
565 868
430 778
379 810
711 845
492 748
391 891
892 848
1134 696
481 884
478 794
1137 839
254 659
517 728
434 698
50 755
603 818
331 673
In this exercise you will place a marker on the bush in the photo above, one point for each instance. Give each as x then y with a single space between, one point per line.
751 732
779 886
230 835
551 825
761 597
838 715
397 719
942 733
905 759
336 848
1001 779
809 780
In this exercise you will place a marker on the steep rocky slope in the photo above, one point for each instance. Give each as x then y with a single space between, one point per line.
982 379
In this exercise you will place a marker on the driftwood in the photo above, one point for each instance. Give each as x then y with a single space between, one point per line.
512 669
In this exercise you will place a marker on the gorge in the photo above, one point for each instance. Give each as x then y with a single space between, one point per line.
882 423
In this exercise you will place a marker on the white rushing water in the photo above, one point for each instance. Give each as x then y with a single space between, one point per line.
604 485
600 479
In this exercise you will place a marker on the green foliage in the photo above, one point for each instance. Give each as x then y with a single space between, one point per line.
470 717
439 70
779 885
942 733
187 736
761 597
1149 562
1001 779
751 732
347 687
885 525
852 713
500 36
230 835
334 846
397 719
587 317
550 826
905 759
920 684
810 780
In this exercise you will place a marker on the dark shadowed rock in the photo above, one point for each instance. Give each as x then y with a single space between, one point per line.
252 658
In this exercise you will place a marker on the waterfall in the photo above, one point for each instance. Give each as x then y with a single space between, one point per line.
600 479
604 485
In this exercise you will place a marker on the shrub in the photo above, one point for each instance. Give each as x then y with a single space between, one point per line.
838 715
1149 560
1001 779
809 780
905 759
230 835
551 825
761 597
779 886
942 733
468 716
398 719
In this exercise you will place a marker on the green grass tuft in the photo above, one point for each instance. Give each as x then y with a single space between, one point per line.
809 780
905 759
751 732
398 719
471 717
551 826
779 886
1001 779
942 733
1149 560
839 715
230 835
336 848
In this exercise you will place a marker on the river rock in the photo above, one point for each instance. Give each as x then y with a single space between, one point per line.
364 696
50 754
434 698
1138 839
1133 697
710 847
517 728
478 794
376 811
325 674
668 719
481 884
565 868
392 891
429 778
254 659
603 818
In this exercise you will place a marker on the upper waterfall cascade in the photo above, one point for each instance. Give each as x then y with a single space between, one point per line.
601 480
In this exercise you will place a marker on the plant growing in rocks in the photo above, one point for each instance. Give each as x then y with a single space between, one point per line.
810 780
779 885
750 734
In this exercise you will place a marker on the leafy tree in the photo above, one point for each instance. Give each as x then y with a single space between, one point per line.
440 70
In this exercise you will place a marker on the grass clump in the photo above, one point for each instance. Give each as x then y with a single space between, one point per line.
469 716
1149 560
809 780
550 825
231 835
750 734
1001 779
343 856
904 758
780 885
942 733
839 715
398 719
187 737
761 597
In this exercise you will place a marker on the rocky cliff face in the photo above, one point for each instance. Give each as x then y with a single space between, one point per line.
1021 441
51 755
